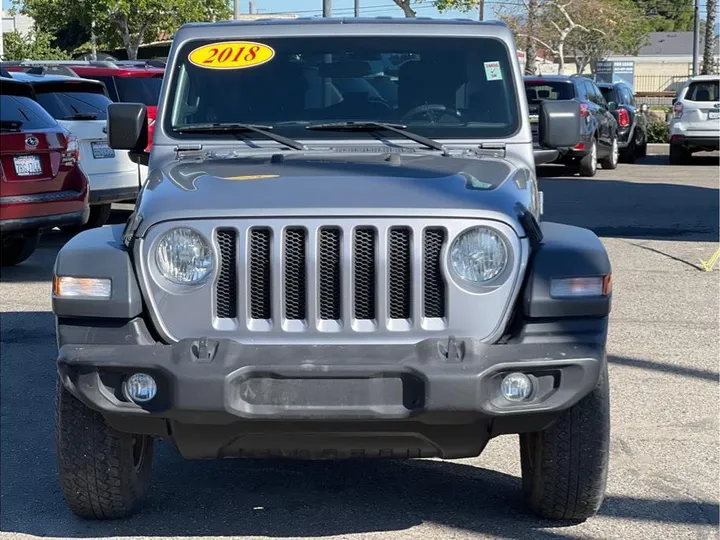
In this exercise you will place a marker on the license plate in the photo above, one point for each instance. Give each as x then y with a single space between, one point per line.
713 115
101 150
27 165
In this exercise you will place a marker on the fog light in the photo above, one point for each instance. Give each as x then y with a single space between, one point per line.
516 387
140 387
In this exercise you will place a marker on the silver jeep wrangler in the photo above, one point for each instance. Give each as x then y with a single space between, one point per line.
338 253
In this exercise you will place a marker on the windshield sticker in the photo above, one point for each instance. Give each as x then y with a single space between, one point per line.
251 177
493 71
231 55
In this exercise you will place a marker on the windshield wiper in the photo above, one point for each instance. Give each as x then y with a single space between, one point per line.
379 126
241 128
82 116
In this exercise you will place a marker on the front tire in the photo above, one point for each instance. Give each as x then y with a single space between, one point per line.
18 249
564 468
104 473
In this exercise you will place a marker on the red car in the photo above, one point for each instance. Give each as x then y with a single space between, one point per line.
41 183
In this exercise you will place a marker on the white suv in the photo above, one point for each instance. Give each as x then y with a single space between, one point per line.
695 125
80 105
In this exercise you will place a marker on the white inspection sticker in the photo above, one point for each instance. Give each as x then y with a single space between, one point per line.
493 71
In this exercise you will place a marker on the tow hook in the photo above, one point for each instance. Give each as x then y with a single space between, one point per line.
452 351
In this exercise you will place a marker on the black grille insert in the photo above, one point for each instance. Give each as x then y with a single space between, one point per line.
433 281
329 279
400 270
260 274
295 272
226 292
364 273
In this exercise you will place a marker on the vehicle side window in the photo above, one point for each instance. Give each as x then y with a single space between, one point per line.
590 94
628 97
582 91
109 84
599 99
25 111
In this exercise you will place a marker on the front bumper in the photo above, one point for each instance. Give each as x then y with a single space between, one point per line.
328 382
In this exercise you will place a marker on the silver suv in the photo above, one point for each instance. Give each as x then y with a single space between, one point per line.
695 124
338 254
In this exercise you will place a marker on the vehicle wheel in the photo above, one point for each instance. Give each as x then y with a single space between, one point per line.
587 166
564 468
611 161
630 153
17 249
104 473
678 155
99 216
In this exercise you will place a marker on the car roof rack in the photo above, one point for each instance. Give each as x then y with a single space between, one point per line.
97 63
50 70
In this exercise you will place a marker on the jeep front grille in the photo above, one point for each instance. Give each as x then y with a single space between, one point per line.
382 285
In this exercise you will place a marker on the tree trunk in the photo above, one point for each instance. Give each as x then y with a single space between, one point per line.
530 47
93 40
405 6
561 57
708 65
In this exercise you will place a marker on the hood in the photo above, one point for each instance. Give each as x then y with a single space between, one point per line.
302 184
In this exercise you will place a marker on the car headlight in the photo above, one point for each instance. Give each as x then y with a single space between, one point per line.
183 256
478 255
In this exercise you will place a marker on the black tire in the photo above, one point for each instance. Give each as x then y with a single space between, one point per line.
564 468
104 474
642 150
610 161
18 249
587 165
679 155
630 153
99 216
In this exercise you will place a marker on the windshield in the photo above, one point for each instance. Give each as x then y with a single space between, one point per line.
609 94
437 87
538 91
145 90
71 101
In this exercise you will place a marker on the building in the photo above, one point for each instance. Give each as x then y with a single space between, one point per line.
12 23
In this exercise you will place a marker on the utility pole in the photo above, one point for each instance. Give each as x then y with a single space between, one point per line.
253 7
482 10
327 8
357 8
696 39
236 9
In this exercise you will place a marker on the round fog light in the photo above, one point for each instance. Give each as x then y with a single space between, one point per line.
140 387
516 387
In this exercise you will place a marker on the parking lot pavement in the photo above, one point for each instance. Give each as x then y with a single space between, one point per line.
657 222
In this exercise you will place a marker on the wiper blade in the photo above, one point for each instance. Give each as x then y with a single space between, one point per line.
82 116
241 128
379 126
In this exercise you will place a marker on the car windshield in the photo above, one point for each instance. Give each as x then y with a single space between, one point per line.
703 91
145 90
72 101
538 91
436 87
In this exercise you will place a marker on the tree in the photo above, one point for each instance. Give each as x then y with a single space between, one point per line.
441 5
128 23
708 65
667 15
31 46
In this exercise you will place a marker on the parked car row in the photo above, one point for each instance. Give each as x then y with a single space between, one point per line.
57 168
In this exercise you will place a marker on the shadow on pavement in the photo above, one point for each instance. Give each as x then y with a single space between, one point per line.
266 498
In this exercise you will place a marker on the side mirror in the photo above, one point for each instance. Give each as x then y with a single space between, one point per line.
127 126
559 124
674 100
612 106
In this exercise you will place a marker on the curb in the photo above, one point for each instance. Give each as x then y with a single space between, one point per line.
658 149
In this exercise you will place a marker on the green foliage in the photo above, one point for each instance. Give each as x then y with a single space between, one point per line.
658 131
667 15
33 46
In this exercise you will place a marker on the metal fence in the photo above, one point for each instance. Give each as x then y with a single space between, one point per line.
659 85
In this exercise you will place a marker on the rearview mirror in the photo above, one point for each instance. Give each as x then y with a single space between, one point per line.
559 124
127 126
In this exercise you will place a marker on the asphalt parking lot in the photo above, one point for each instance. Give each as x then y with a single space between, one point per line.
658 222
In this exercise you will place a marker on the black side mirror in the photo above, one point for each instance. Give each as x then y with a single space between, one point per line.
559 124
612 105
127 126
674 100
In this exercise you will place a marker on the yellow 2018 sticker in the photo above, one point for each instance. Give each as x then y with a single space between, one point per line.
251 177
231 55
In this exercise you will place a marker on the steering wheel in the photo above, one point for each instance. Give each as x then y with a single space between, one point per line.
429 109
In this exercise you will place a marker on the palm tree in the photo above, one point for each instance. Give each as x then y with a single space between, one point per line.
708 66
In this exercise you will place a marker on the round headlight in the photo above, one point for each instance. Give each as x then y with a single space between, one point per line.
183 256
478 255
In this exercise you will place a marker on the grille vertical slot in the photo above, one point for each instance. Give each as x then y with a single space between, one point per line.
260 273
226 290
433 280
295 273
364 244
400 273
329 275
